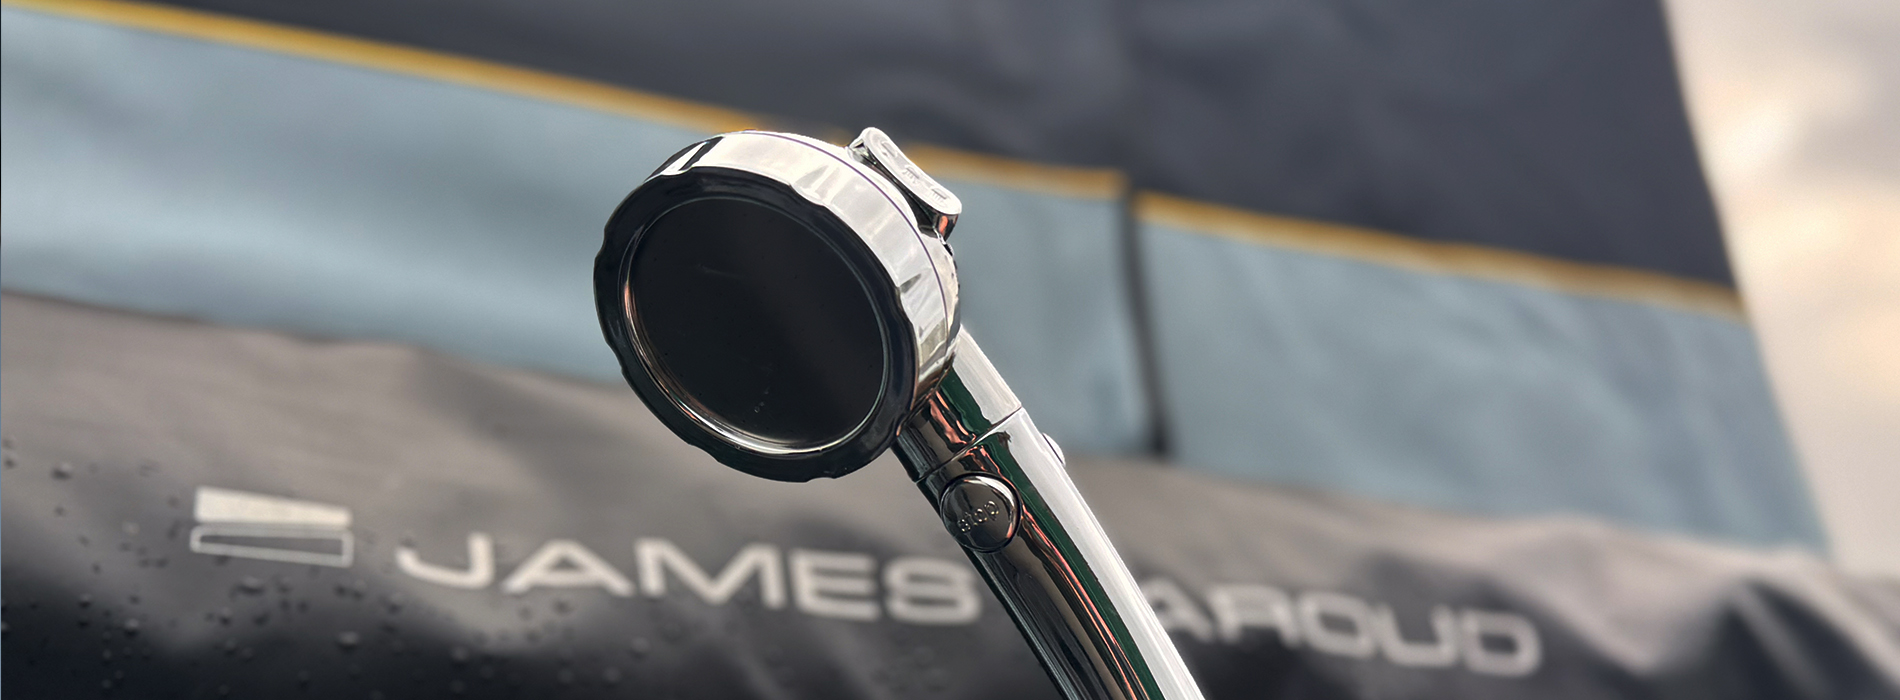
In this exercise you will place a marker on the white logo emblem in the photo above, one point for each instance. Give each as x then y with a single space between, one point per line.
257 526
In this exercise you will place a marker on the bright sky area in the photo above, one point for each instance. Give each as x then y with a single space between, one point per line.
1797 109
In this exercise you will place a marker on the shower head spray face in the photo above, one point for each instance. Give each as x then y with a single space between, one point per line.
780 302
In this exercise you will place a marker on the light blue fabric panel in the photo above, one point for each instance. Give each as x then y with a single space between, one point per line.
175 176
1044 293
1473 395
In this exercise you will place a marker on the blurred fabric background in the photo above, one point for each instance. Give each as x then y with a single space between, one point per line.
1526 350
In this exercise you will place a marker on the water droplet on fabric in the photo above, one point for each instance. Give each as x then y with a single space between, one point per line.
85 600
62 471
348 640
251 584
131 626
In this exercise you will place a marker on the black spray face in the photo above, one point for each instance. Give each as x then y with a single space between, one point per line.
757 323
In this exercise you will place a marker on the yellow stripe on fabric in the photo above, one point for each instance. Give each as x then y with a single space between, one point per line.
1459 259
448 68
1064 181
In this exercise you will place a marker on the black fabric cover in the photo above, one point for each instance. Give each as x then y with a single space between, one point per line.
113 422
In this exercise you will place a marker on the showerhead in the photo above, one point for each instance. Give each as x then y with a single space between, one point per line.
790 307
780 302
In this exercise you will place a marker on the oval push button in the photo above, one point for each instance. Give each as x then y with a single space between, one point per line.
980 511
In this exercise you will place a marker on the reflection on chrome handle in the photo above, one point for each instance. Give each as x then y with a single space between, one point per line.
1005 495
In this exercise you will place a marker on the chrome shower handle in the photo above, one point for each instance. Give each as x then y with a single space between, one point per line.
1002 490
